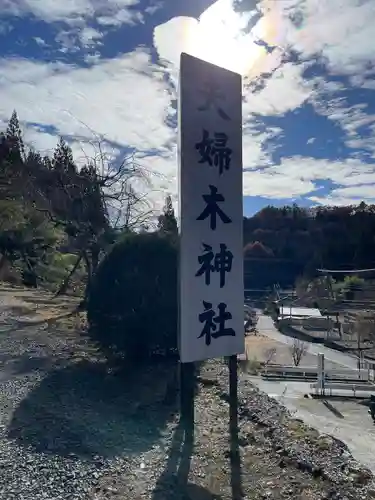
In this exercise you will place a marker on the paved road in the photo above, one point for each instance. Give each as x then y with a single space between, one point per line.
266 327
348 421
345 420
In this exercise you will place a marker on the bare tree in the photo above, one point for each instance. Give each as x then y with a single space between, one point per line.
298 350
363 329
364 326
269 355
124 187
94 203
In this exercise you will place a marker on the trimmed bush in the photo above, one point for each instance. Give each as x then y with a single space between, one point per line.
132 305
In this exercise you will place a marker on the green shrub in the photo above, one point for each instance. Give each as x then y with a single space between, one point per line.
132 305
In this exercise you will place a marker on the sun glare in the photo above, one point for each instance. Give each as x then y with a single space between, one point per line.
218 37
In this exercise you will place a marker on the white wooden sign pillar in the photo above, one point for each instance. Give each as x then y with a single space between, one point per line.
210 210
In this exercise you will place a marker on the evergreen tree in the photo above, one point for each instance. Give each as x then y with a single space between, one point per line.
13 137
47 163
63 158
167 222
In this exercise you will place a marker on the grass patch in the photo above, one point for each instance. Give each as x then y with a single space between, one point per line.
323 443
251 366
299 430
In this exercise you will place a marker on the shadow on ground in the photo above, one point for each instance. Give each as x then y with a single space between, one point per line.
173 484
16 317
24 364
332 409
48 301
87 410
21 323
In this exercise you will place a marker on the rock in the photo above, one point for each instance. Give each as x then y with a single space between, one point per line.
304 465
317 472
112 490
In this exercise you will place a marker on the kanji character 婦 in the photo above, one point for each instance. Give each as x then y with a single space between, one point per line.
214 151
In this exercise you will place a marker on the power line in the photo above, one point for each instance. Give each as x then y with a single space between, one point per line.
347 271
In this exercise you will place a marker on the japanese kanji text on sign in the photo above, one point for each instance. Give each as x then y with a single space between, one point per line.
211 254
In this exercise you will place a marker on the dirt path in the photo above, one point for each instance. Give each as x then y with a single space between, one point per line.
24 305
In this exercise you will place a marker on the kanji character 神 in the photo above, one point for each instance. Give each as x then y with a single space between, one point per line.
221 262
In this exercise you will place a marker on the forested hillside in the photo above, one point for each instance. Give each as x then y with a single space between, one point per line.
283 243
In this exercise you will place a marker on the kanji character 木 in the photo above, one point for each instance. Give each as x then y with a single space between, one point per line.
212 209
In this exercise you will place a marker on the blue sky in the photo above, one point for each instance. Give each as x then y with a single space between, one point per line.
107 70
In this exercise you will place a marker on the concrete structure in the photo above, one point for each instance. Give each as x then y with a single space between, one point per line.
298 312
305 317
317 324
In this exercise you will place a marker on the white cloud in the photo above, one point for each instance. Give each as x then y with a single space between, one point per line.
217 36
127 99
254 155
122 16
348 173
274 184
297 176
78 37
343 45
38 139
89 35
5 28
160 179
40 41
77 15
348 196
49 10
71 11
285 90
92 58
339 30
124 99
332 101
358 192
154 7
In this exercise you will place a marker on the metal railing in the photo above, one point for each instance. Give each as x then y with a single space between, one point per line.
356 387
312 372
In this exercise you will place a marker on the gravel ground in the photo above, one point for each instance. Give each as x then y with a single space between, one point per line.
72 430
65 420
281 458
